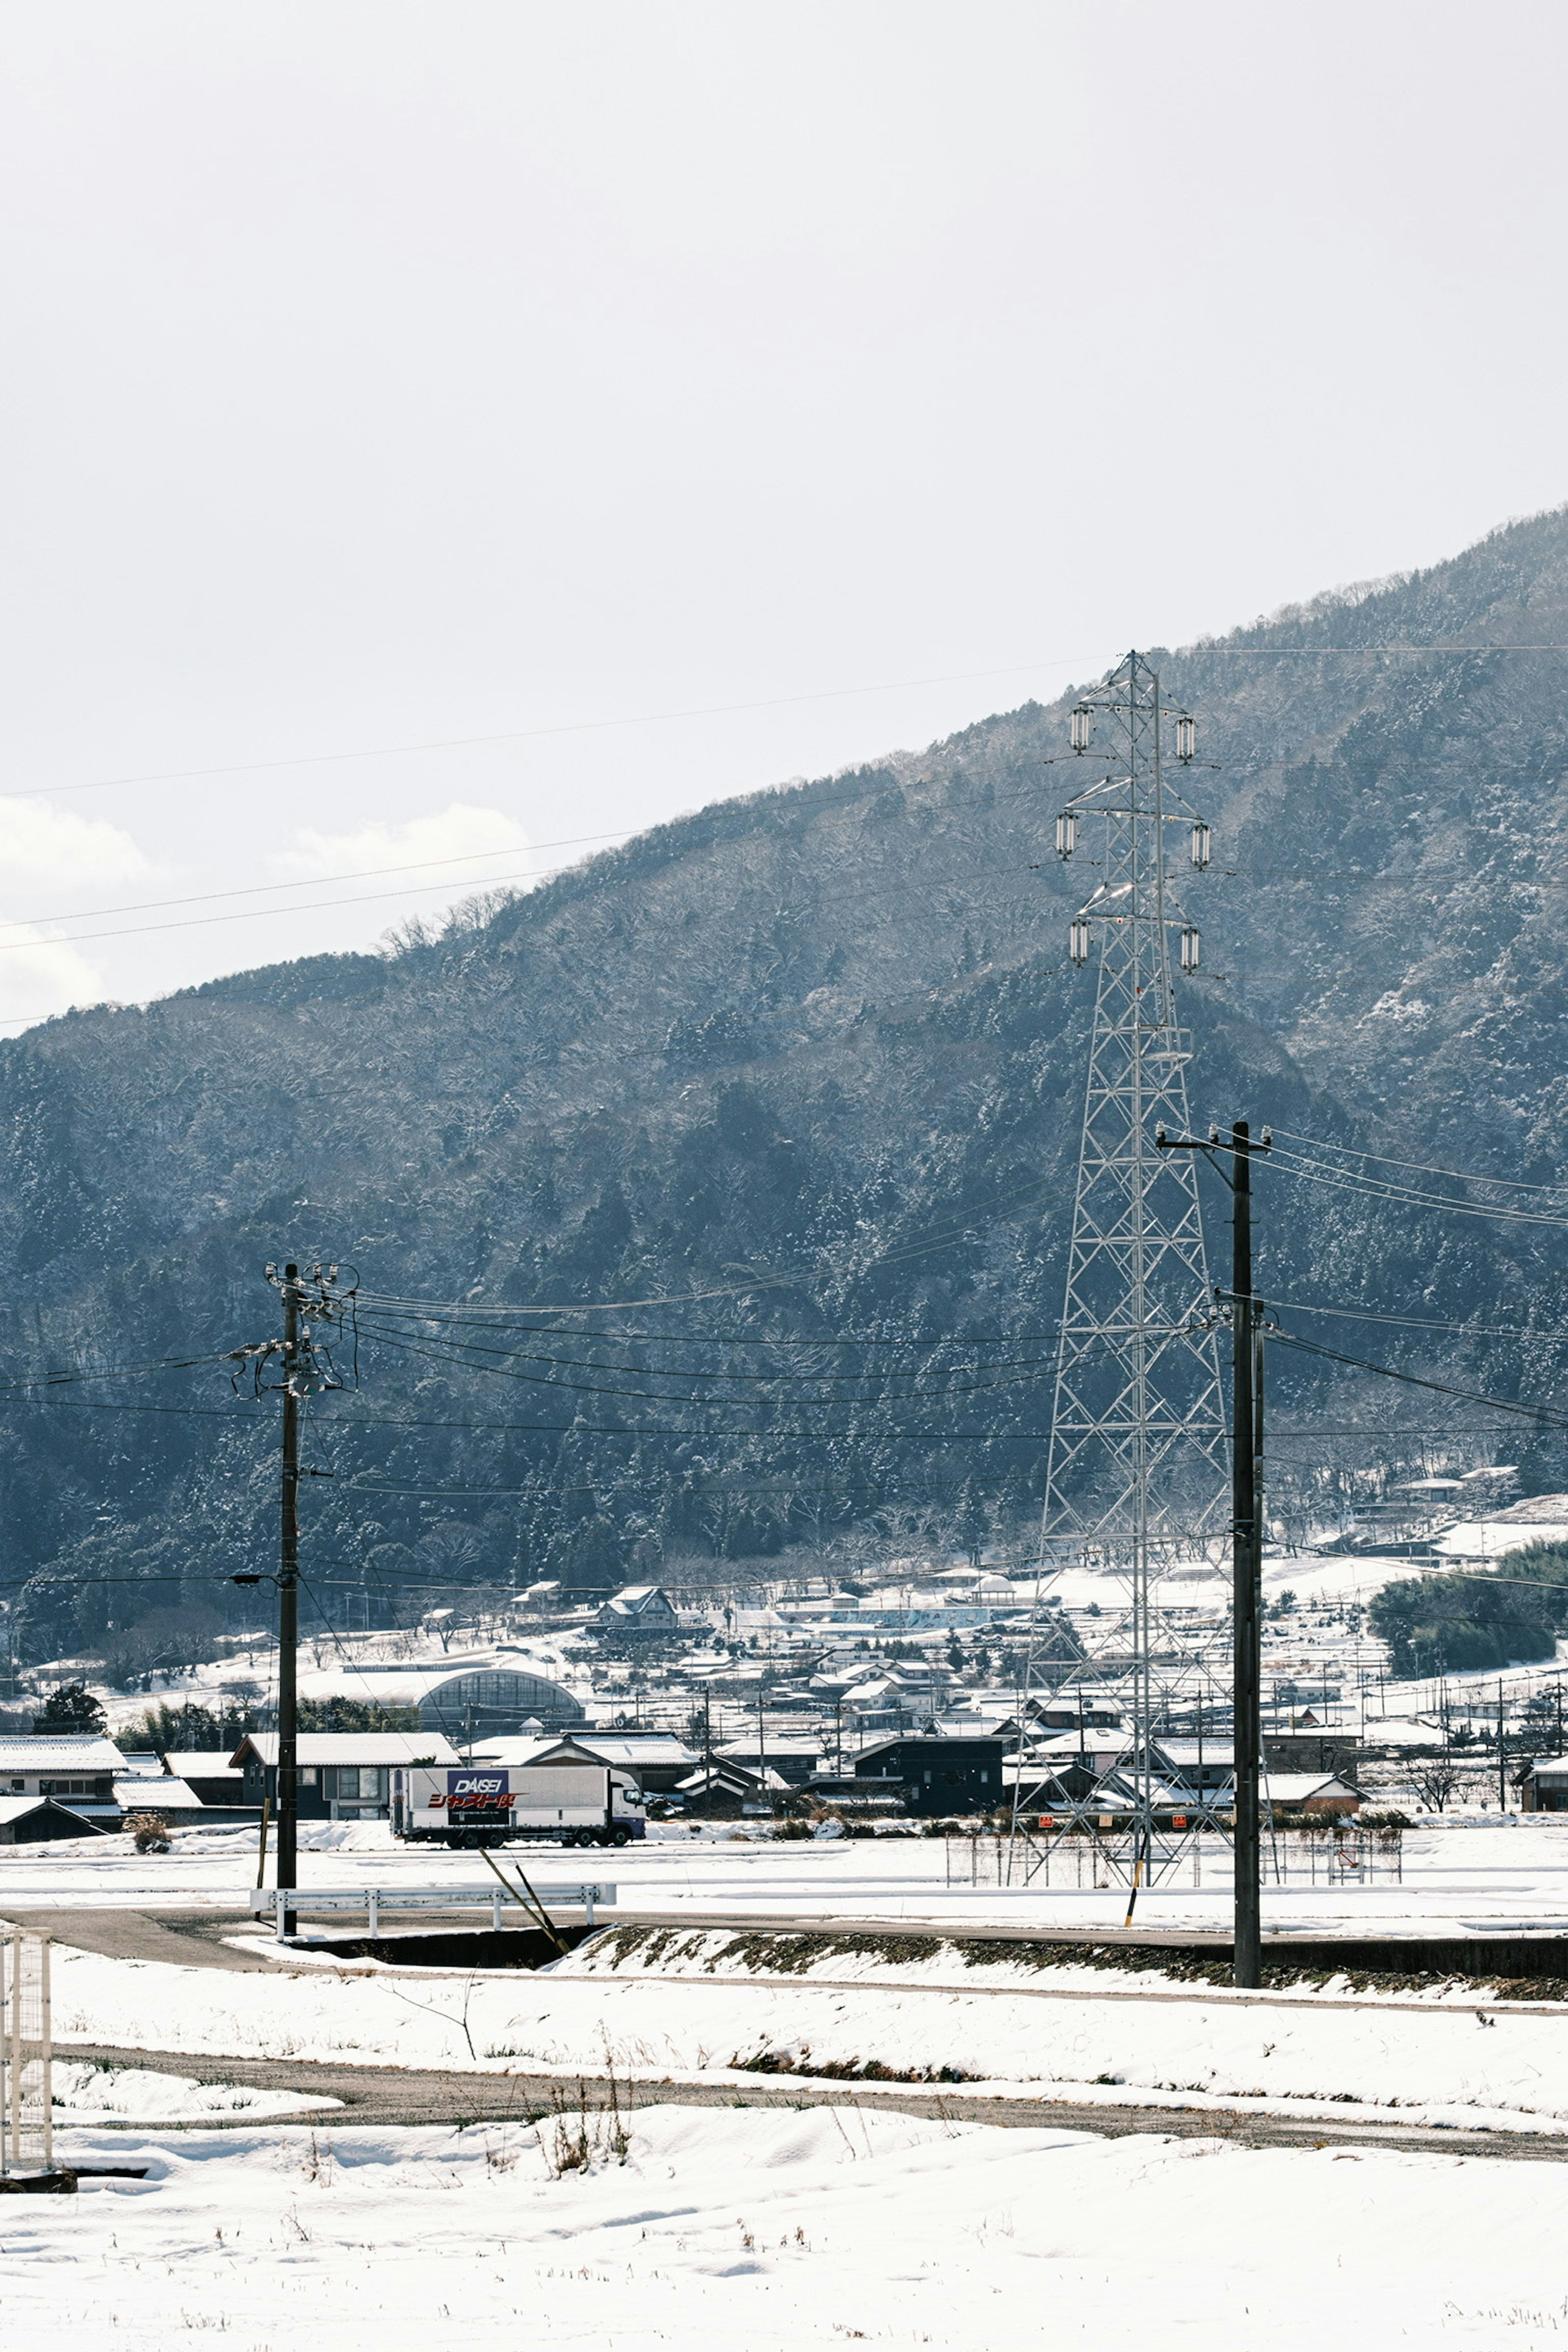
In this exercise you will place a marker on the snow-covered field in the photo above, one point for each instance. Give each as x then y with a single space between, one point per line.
1434 2066
1460 1871
789 2227
781 2232
1439 2058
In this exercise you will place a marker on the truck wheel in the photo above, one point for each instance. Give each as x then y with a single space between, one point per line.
622 1837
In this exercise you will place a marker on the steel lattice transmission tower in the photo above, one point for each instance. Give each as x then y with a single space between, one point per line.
1139 1467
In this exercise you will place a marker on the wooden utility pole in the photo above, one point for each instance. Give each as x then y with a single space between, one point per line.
1246 1537
305 1369
288 1601
1246 1558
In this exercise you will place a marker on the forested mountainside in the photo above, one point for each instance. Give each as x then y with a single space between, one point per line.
806 1066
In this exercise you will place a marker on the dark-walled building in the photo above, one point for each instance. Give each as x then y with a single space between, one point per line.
937 1776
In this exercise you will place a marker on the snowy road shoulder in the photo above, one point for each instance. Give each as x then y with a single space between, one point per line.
101 2091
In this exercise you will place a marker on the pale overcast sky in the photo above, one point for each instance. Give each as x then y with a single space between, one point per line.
379 374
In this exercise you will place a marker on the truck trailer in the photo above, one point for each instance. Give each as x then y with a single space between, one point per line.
480 1804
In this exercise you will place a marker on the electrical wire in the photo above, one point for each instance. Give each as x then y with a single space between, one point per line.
569 1428
535 734
546 1488
471 1312
1401 1196
372 1329
998 1204
1374 878
316 881
1417 1323
121 1372
1458 1175
1192 654
1543 1413
260 913
405 890
432 1354
1295 1165
499 881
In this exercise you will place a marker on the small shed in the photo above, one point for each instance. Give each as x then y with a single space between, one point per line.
209 1772
793 1758
28 1820
1543 1785
723 1790
1310 1793
173 1802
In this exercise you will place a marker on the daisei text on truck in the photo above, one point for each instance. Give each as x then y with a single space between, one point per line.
479 1804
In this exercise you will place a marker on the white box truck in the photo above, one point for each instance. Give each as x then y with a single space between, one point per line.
479 1804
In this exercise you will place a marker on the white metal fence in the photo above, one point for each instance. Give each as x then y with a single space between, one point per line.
502 1902
26 2088
1336 1852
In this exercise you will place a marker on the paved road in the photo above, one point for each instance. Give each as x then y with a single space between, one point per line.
186 1939
195 1938
398 2095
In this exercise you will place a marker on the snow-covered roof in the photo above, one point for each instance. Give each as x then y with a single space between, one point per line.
746 1751
61 1752
625 1747
1063 1745
631 1746
1532 1509
520 1749
318 1748
725 1772
16 1808
152 1795
1294 1787
205 1763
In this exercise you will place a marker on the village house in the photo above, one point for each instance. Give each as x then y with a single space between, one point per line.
342 1776
77 1769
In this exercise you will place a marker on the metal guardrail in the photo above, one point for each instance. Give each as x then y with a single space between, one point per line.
374 1900
27 2097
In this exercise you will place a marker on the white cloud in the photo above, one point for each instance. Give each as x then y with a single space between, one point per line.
39 976
462 846
50 848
